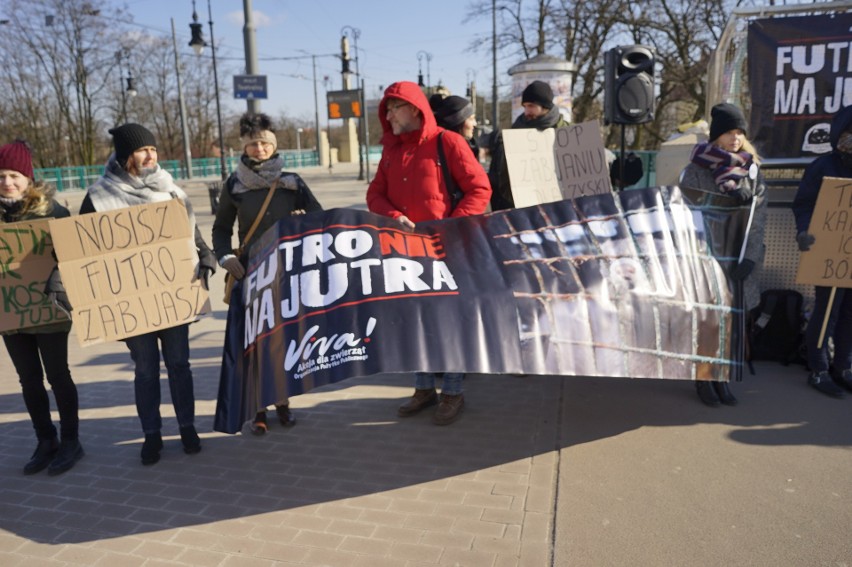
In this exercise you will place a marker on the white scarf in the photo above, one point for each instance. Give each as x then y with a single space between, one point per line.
118 189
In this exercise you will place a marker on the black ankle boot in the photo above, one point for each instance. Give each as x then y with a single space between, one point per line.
724 393
706 393
43 454
190 440
70 451
151 448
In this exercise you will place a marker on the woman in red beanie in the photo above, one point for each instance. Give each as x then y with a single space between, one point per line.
43 350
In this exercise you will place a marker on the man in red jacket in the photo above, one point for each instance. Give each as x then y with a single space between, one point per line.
409 187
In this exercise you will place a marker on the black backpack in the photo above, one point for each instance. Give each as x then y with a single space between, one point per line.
776 330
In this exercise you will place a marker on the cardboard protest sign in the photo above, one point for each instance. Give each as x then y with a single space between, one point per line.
556 163
829 261
26 260
129 271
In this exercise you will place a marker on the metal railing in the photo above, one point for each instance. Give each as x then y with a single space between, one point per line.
79 177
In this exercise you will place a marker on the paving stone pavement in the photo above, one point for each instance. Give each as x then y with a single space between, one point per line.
539 471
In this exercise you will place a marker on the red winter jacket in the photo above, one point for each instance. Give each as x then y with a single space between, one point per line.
409 180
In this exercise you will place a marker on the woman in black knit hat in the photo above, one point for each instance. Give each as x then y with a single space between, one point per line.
724 178
455 113
39 351
133 176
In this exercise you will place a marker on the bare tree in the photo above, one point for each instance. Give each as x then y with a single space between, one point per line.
683 32
65 85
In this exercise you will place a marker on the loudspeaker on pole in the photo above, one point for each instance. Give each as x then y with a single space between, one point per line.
629 84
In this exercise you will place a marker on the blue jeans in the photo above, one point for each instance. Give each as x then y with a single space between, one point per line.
452 382
839 328
145 352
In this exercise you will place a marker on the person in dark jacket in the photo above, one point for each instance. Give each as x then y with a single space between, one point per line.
43 350
456 114
133 177
242 200
838 163
725 174
539 113
410 188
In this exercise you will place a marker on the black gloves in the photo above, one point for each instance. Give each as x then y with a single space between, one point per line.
742 270
805 240
203 272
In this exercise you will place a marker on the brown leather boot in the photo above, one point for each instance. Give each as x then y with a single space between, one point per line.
449 409
420 400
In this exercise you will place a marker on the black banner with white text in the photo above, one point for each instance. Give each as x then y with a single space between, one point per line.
605 285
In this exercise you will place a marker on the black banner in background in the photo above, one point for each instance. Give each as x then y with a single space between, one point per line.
605 285
800 75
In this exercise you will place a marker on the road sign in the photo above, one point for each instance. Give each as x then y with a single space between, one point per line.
249 86
344 104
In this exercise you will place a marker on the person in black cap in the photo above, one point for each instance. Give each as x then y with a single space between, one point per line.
133 177
829 376
724 177
455 113
539 113
39 351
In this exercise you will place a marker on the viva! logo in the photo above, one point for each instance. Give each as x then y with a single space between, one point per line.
330 349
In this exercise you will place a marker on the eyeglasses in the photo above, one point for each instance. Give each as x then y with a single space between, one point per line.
395 107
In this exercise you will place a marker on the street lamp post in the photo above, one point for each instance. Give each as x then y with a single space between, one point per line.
184 131
356 33
428 56
299 141
130 91
197 43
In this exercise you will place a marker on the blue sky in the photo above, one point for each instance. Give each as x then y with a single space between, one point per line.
391 35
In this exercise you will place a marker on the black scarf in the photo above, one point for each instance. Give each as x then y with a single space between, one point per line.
549 120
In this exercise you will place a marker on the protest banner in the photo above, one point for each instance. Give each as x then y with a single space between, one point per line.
129 271
556 163
605 285
829 261
26 261
798 71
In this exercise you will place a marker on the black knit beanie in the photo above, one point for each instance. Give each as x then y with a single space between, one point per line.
725 117
452 112
539 93
128 138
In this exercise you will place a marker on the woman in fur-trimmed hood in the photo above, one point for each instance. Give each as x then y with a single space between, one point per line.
40 351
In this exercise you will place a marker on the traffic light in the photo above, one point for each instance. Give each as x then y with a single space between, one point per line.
629 85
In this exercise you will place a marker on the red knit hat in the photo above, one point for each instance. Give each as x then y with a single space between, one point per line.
17 157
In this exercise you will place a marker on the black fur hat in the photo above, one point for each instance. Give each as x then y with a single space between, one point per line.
251 124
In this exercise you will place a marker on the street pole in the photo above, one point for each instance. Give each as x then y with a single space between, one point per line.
494 113
316 106
355 34
187 154
123 117
198 43
252 104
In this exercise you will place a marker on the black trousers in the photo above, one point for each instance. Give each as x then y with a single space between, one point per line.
31 352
